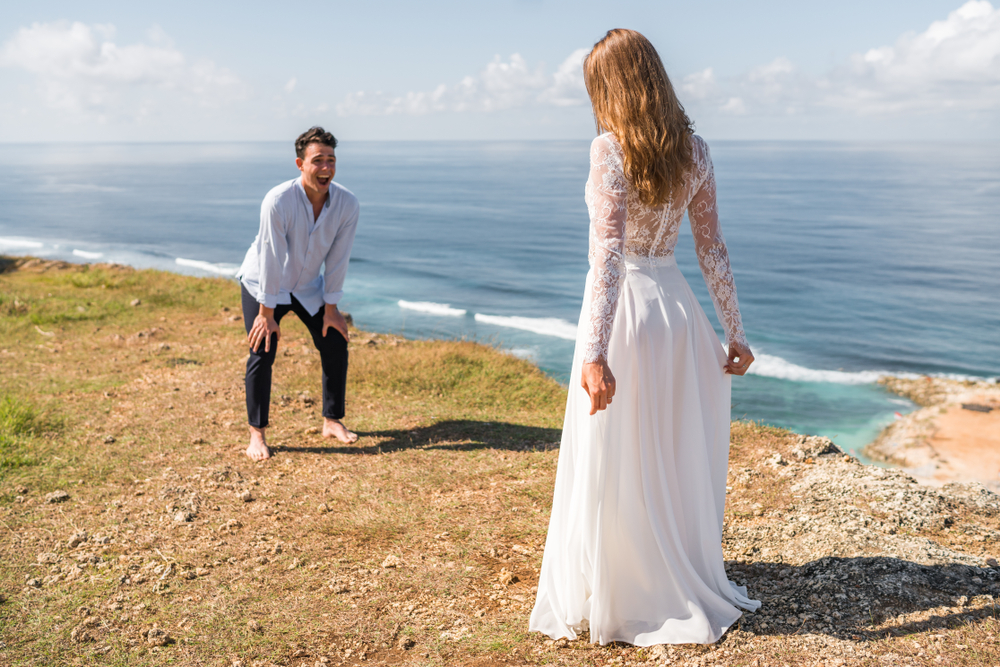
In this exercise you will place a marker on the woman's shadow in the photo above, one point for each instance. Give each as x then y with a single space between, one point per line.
865 598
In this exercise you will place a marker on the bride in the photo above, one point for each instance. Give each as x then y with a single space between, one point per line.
634 549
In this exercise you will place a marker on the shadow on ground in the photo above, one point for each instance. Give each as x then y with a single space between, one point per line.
454 435
865 598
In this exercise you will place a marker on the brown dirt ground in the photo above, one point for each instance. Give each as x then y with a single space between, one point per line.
419 545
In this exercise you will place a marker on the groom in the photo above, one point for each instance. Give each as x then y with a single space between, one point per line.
297 264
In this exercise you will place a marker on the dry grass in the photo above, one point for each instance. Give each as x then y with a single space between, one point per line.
420 545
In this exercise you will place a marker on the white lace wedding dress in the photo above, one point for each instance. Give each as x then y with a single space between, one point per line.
634 549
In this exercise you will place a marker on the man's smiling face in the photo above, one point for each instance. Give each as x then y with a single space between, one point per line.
318 166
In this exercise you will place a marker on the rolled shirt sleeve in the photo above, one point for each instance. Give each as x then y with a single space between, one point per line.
338 257
272 252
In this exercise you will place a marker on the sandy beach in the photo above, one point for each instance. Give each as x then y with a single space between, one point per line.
943 441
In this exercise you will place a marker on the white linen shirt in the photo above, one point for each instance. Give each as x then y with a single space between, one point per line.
288 256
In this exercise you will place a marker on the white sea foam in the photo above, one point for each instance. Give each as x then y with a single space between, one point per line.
86 254
768 365
221 269
432 308
546 326
10 243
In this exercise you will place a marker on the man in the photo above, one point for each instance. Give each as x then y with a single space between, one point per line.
297 264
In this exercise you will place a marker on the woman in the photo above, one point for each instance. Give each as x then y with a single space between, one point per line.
634 546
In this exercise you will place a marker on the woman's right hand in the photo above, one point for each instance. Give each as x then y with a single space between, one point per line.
263 326
597 380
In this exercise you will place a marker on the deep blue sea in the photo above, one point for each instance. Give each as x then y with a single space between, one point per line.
851 260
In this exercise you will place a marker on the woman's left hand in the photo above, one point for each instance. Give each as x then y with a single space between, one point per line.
743 355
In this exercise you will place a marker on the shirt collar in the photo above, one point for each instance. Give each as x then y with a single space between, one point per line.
305 197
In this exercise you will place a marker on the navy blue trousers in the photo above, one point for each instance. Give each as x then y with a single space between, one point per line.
332 354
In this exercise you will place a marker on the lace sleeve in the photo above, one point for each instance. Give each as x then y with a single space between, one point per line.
606 195
713 257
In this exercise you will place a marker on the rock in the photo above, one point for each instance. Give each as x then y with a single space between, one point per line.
254 626
392 561
59 496
77 539
109 439
246 495
136 302
507 578
658 652
158 637
811 446
81 634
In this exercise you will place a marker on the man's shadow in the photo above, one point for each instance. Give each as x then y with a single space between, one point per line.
454 435
860 598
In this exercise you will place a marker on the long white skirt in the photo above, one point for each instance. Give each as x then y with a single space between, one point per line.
634 549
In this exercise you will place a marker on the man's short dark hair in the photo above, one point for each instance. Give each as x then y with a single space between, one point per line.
314 135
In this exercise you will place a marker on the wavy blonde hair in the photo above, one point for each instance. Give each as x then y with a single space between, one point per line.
634 100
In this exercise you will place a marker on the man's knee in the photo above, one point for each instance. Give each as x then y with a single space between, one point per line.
262 358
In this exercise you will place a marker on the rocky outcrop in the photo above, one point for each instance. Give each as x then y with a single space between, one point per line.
860 547
954 436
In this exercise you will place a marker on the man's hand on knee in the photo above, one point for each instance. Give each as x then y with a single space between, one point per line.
334 319
263 326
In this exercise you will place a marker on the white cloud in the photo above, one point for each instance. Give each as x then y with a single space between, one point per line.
734 105
568 88
500 85
290 86
78 68
700 85
954 65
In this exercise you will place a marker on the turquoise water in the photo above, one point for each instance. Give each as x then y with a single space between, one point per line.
851 260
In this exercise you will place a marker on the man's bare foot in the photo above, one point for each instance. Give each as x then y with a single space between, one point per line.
334 428
258 449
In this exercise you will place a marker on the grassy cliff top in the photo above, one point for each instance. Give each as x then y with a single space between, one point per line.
135 531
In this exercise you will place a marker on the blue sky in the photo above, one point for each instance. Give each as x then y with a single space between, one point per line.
194 71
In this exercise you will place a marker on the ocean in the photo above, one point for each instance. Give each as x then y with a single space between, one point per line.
852 261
